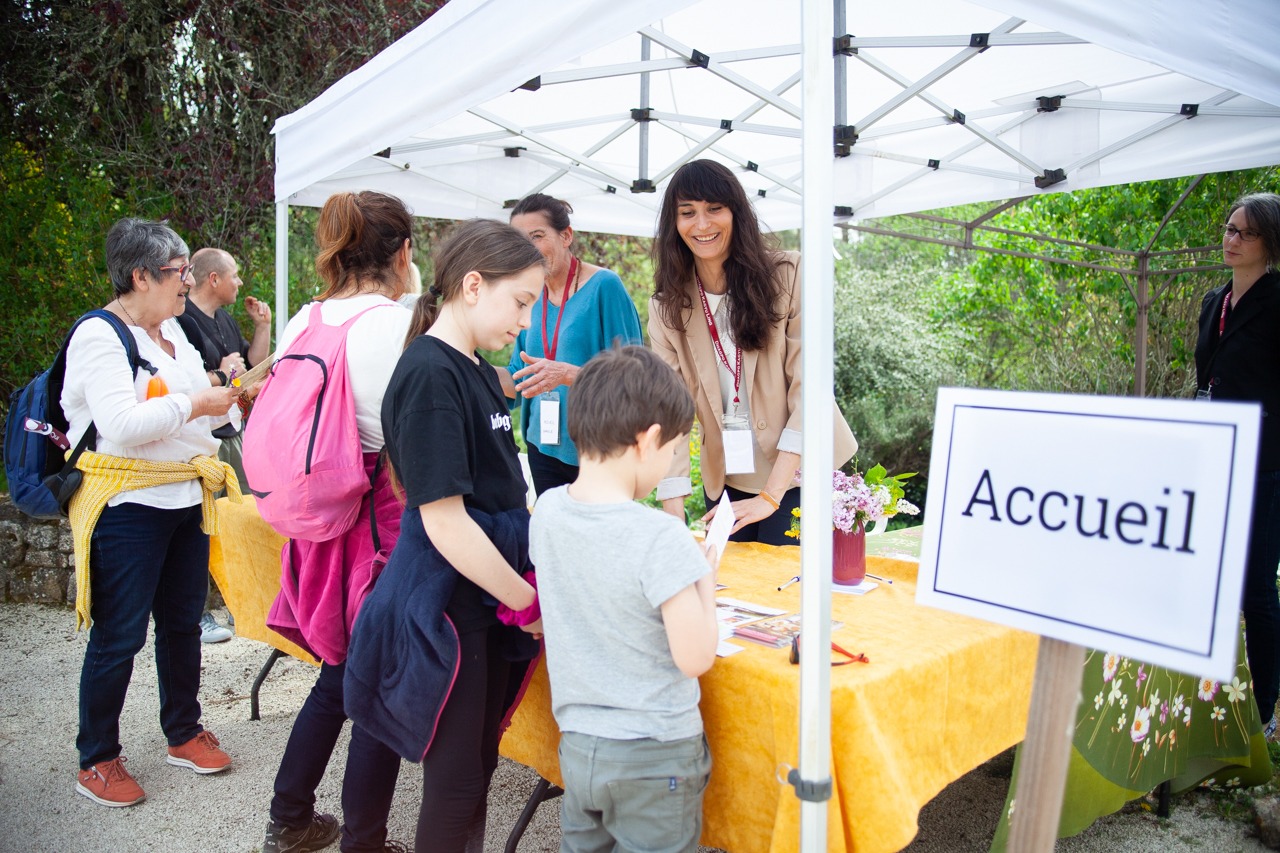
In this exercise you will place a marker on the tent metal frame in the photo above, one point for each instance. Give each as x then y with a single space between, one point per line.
1146 273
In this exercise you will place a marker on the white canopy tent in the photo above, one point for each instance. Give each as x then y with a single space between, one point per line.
923 103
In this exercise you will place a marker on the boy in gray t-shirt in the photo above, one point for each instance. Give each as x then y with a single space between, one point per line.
628 607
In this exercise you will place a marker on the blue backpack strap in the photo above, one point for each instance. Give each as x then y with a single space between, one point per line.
58 372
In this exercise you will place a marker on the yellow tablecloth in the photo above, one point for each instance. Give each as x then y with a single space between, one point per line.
942 694
244 560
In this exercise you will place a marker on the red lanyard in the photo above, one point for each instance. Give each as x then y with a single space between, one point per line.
1222 318
736 373
550 348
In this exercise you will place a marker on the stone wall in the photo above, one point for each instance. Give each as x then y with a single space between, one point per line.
36 560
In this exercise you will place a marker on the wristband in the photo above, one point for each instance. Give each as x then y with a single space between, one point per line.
770 499
530 614
222 377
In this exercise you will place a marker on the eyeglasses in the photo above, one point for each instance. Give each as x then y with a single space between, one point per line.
1248 235
184 271
852 658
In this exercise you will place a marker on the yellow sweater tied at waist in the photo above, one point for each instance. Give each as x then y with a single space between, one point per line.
106 476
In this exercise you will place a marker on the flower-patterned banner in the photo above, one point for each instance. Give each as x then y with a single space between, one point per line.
1139 726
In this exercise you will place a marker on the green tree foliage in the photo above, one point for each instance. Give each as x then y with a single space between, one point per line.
1034 325
54 215
161 109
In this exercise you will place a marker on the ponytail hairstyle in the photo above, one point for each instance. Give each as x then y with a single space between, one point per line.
493 249
359 235
749 271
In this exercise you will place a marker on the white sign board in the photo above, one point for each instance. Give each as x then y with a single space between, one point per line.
1116 523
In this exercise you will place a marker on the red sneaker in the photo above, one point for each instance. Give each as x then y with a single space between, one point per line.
201 754
109 784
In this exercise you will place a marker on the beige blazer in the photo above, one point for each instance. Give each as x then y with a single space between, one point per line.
772 377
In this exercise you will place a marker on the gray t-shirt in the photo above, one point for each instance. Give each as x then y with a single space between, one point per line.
604 571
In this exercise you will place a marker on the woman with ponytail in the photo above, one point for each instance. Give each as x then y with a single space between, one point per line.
365 256
430 670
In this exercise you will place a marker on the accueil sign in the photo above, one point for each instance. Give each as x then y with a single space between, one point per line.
1113 523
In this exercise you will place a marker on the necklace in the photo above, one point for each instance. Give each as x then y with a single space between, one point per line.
127 314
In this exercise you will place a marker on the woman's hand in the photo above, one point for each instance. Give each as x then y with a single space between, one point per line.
745 512
542 375
250 392
213 402
534 628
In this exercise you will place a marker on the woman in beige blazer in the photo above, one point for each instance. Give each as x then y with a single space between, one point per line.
726 315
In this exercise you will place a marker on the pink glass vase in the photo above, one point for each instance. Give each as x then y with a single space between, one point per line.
849 556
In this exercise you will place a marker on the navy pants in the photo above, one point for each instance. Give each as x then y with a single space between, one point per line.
464 753
144 562
1261 603
548 472
768 531
368 785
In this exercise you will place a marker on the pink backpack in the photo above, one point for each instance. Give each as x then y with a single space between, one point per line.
302 455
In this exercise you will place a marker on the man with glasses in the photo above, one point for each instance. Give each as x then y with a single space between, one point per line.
215 284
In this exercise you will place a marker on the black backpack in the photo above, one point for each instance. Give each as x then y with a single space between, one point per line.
40 482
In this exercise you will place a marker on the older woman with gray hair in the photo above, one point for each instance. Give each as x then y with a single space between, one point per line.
140 515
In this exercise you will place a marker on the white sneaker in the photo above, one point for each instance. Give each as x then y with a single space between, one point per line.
211 631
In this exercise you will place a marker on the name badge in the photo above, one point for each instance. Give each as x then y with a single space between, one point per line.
739 453
549 418
1204 393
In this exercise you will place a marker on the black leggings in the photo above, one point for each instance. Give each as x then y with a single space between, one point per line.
464 752
769 531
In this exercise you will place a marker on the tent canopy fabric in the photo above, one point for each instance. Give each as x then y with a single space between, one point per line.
940 102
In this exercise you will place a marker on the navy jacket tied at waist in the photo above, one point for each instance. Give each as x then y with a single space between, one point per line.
403 657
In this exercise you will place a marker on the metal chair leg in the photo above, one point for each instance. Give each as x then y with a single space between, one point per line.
275 655
542 792
1162 808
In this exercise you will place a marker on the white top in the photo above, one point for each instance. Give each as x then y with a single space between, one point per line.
374 344
99 388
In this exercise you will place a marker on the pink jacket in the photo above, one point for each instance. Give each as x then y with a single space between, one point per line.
323 584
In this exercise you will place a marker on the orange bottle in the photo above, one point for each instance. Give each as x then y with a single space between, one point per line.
156 387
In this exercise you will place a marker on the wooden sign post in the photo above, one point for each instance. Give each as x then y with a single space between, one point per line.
1112 523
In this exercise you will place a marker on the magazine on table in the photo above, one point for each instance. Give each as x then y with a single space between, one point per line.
732 613
776 631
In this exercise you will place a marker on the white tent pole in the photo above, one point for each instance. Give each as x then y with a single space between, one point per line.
282 268
813 782
642 169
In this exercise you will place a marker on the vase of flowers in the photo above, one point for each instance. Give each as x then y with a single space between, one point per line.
857 500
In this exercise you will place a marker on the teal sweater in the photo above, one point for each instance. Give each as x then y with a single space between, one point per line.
597 317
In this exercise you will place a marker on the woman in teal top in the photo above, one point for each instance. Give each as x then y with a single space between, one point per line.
583 310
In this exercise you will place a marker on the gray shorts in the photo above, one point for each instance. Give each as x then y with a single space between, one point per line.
629 795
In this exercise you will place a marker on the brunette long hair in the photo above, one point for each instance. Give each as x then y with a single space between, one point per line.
493 249
1263 210
750 270
359 235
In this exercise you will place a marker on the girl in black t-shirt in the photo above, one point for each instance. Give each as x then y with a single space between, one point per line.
449 438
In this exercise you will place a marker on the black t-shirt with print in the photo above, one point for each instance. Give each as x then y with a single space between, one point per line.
448 432
214 338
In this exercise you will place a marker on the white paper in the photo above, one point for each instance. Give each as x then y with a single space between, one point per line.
721 526
739 454
549 414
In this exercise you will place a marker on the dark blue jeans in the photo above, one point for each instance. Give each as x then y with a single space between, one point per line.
767 531
144 562
1261 603
548 472
368 785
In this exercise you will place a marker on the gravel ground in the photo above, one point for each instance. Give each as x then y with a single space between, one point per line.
40 657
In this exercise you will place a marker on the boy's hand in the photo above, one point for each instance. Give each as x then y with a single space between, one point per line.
713 559
534 628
